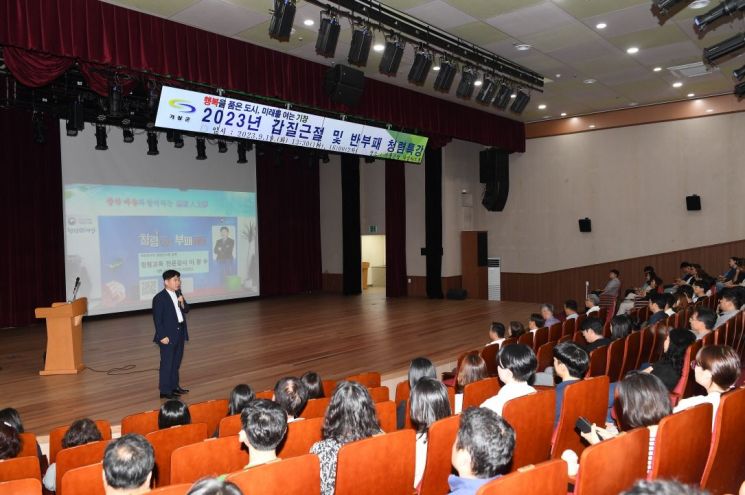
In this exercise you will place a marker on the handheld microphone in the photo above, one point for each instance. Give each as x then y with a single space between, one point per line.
178 292
75 288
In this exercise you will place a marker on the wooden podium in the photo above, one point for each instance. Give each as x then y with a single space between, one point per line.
64 337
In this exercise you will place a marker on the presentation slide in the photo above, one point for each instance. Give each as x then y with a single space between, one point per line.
121 237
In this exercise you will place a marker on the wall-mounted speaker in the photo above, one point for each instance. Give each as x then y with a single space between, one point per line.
344 84
585 225
494 171
693 202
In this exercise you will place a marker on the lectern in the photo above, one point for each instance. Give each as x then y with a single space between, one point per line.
64 337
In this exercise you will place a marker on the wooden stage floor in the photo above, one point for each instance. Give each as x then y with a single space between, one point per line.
253 342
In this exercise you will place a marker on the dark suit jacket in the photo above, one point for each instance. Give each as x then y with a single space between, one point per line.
224 249
658 316
166 319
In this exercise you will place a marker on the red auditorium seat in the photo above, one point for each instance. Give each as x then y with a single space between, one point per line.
440 441
209 412
489 355
295 476
540 337
631 353
587 398
26 486
301 435
140 423
20 468
598 362
379 394
554 332
75 457
545 355
229 426
28 445
546 478
368 379
316 408
532 418
682 445
87 480
57 434
614 361
477 392
386 412
164 442
181 489
725 469
211 457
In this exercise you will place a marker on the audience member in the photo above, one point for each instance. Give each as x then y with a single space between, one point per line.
535 322
313 384
80 432
429 403
702 322
472 369
700 290
642 400
482 450
547 313
620 327
516 329
670 365
214 486
592 303
570 309
10 443
418 368
516 367
350 416
669 303
717 369
613 286
663 487
173 413
729 305
291 394
628 303
686 276
729 274
738 278
264 425
570 365
10 416
657 313
649 274
240 397
592 331
128 465
682 300
497 333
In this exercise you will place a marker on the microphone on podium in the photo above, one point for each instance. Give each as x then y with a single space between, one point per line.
75 288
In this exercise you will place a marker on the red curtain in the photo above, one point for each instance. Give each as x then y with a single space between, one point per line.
31 247
101 33
395 229
289 209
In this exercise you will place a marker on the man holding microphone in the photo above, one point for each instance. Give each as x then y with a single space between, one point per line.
169 310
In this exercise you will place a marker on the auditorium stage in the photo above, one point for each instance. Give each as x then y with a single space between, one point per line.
252 342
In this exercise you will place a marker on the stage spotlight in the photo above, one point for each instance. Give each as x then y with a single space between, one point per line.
328 35
39 131
664 5
283 15
420 67
726 8
394 50
178 140
71 129
201 149
521 101
115 99
360 48
736 42
488 91
127 135
242 152
101 137
502 99
222 146
152 143
446 75
740 90
467 79
738 74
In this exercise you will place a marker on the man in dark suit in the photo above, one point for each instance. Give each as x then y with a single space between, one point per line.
169 310
656 309
224 252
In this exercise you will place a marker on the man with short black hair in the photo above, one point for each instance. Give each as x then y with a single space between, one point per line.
729 306
570 309
292 395
482 450
535 322
702 322
128 465
657 304
516 367
699 290
497 332
670 302
264 425
592 331
169 315
570 364
686 276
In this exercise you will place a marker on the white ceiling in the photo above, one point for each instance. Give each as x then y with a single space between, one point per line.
567 46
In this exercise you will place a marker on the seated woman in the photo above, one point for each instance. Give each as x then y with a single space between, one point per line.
429 403
620 327
670 365
173 413
240 397
10 443
516 329
717 370
80 432
418 368
313 384
643 400
10 416
349 417
472 369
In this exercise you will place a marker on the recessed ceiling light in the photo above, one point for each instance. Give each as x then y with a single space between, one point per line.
709 110
633 104
558 76
541 107
309 22
592 126
632 50
590 81
477 83
657 69
601 25
677 84
513 95
691 95
699 4
379 47
563 114
546 116
521 47
436 67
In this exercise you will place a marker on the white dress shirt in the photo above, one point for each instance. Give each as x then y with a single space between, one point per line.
508 392
175 304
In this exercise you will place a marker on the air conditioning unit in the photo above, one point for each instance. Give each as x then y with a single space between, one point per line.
494 278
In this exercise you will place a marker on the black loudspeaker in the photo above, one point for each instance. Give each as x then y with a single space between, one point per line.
693 202
494 171
344 84
280 26
457 294
482 246
585 225
360 49
328 36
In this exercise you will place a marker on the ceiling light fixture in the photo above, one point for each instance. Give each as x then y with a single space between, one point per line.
709 110
632 50
657 69
522 47
488 90
699 4
677 84
726 8
379 47
691 95
591 126
309 22
590 81
436 68
739 74
283 15
563 114
541 106
478 83
601 25
724 48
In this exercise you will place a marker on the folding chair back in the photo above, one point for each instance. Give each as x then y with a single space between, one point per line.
532 418
367 379
28 445
682 445
568 327
615 359
402 391
598 362
477 392
57 434
86 480
587 398
526 339
379 394
26 486
627 453
380 464
209 412
489 355
578 338
546 478
295 476
631 353
301 435
229 426
164 442
386 412
725 469
545 355
211 457
75 457
540 337
20 468
647 345
440 441
140 423
316 408
328 387
692 388
554 332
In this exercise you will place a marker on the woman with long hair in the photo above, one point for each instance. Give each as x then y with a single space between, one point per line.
429 403
472 369
669 368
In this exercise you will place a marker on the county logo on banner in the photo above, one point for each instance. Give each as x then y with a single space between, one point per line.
208 114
